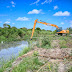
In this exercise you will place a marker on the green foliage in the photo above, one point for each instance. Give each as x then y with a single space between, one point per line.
70 30
63 38
2 38
63 44
35 53
6 64
70 69
28 64
9 33
54 31
24 51
50 67
46 43
38 29
6 25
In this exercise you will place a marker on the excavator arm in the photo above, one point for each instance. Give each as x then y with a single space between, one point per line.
36 21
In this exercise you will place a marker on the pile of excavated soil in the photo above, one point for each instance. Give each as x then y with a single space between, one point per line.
51 55
56 53
57 56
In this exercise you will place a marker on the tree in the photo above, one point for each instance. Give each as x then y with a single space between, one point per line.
25 29
7 26
54 31
38 29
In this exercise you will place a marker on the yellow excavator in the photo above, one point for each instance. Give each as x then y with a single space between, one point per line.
58 29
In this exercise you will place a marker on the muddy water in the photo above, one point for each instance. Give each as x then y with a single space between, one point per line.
12 49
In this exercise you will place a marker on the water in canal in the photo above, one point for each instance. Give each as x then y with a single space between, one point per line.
7 50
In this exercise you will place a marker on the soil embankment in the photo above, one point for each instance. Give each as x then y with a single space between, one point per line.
56 55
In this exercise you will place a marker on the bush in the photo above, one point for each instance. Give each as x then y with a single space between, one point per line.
46 43
63 44
24 51
2 38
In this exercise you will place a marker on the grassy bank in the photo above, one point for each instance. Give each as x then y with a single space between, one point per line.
28 64
7 64
34 63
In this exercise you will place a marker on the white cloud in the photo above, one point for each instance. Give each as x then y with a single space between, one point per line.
62 23
46 1
22 19
60 13
13 5
35 2
13 23
0 21
7 22
35 11
8 6
12 2
55 7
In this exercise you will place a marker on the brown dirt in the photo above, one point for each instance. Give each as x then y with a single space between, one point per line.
52 55
55 44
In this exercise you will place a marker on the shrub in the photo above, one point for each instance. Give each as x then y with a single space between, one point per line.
2 38
24 51
63 44
46 43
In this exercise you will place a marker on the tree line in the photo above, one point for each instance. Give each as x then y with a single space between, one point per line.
8 33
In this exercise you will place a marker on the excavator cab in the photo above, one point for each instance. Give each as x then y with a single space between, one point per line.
58 30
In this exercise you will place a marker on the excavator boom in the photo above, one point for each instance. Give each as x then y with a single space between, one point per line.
59 31
36 21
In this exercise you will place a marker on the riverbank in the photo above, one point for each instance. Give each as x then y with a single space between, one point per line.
47 54
42 60
10 51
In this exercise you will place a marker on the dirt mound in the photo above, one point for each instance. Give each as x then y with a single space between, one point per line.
56 53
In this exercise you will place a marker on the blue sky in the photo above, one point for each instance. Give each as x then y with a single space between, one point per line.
22 13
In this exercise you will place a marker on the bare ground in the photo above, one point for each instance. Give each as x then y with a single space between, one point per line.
60 56
56 55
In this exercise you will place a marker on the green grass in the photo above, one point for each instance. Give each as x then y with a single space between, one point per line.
24 51
9 63
6 64
29 64
70 69
63 44
50 67
44 42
